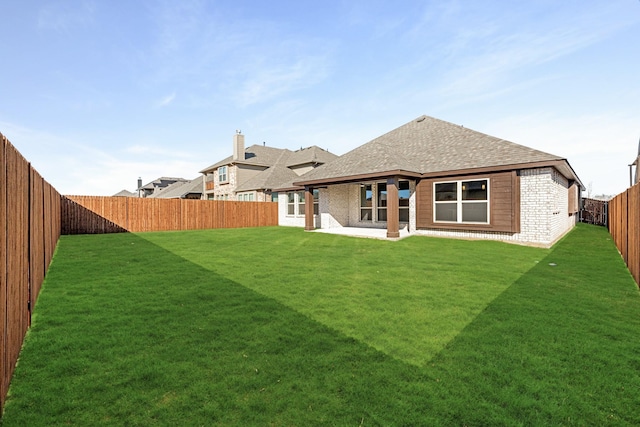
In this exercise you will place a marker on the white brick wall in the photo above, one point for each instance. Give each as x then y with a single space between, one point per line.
334 206
283 217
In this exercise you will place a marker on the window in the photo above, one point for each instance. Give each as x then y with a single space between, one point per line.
375 196
366 202
274 197
291 203
403 202
382 202
300 202
296 203
316 202
462 201
222 174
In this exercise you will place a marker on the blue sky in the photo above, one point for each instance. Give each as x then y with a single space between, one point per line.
98 93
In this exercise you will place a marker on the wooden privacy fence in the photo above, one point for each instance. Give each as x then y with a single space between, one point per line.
624 226
95 214
33 215
29 231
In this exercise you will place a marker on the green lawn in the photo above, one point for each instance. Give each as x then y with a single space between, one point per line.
276 326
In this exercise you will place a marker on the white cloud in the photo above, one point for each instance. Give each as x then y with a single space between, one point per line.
166 101
268 81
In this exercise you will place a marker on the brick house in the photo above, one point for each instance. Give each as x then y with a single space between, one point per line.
431 177
250 174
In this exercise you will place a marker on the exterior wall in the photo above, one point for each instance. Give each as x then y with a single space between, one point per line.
283 217
545 206
226 189
334 206
236 174
412 206
544 212
293 220
261 197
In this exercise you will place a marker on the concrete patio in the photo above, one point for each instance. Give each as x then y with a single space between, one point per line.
371 233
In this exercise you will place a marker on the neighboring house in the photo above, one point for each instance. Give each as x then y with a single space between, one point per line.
125 193
156 185
436 178
251 174
181 190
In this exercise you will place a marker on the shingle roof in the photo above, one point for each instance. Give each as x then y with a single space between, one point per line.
270 177
179 189
124 193
313 154
258 155
280 175
162 181
428 145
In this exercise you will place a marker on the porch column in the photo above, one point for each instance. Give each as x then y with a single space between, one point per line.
393 214
308 208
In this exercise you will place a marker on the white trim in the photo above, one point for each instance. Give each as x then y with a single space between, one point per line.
459 202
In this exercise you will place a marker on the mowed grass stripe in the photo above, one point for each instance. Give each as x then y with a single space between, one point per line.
407 298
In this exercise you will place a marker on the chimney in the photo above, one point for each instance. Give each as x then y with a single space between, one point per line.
139 182
238 146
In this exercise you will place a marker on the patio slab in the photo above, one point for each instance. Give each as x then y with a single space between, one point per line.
371 233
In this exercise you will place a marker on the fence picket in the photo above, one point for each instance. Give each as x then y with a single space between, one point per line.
96 214
624 227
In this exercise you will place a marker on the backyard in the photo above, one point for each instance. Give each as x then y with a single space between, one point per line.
277 326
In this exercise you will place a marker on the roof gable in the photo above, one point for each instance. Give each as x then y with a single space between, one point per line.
309 155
